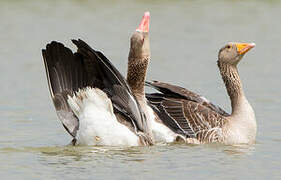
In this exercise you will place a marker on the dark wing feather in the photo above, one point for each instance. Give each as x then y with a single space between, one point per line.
205 122
65 75
194 115
179 92
115 85
194 119
170 113
68 72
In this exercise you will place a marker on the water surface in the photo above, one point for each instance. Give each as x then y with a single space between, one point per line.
185 38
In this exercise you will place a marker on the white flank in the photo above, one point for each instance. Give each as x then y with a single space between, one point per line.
161 133
97 123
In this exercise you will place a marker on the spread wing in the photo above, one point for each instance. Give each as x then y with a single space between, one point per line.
179 92
193 115
170 113
67 72
115 85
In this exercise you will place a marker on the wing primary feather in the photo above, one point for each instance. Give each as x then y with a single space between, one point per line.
174 117
59 63
173 91
112 78
67 72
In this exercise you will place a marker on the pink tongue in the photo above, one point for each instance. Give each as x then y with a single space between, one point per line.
144 25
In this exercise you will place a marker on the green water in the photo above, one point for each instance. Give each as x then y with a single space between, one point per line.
185 38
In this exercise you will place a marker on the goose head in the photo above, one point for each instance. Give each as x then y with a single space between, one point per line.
139 46
232 53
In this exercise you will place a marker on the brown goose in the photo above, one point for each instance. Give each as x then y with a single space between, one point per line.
92 99
138 60
200 120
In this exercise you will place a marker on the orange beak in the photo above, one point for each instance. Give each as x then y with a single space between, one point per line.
144 25
242 48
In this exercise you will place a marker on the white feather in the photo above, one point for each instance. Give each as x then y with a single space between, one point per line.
161 133
204 99
97 122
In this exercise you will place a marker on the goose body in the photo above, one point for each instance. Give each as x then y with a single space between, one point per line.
200 121
98 124
92 99
241 127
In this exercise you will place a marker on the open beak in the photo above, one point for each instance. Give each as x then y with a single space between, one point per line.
242 48
144 25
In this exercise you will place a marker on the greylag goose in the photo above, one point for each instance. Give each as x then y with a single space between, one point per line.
200 120
138 60
92 99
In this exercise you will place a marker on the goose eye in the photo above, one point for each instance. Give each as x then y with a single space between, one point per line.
228 46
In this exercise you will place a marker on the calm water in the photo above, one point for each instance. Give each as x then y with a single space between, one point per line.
185 38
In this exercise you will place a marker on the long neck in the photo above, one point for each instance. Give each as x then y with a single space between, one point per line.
233 85
137 67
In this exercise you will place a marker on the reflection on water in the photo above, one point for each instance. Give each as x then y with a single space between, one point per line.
143 161
240 149
111 151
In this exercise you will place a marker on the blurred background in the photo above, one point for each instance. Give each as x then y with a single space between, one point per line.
185 38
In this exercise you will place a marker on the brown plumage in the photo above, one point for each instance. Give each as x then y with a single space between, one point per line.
138 60
200 120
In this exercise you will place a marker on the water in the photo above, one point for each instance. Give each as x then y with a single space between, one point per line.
185 38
